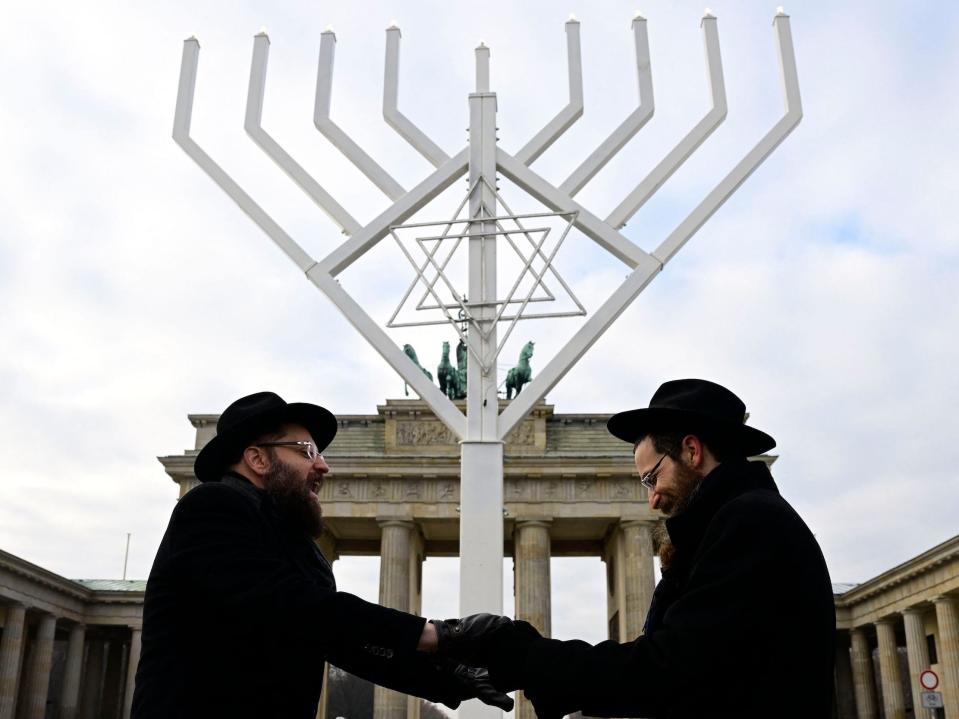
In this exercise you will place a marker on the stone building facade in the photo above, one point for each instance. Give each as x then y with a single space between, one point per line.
68 648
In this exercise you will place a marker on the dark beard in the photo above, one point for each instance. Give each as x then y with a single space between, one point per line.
689 483
297 506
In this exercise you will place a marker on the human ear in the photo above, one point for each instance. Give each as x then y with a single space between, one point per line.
256 459
692 450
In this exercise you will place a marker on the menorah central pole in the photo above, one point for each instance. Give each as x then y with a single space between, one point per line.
481 470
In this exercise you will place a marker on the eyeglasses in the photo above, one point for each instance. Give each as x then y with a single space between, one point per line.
648 479
307 449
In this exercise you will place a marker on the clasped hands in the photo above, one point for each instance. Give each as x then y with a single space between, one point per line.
498 644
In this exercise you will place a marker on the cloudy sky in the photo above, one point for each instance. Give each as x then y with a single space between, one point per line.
134 292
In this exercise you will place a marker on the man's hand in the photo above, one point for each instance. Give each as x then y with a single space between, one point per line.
466 682
491 641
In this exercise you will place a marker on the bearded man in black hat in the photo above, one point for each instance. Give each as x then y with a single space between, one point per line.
742 623
241 607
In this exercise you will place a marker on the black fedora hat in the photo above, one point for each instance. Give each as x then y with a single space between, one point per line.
694 404
249 417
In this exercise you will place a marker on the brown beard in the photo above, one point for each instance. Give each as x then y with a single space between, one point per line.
688 482
296 504
664 546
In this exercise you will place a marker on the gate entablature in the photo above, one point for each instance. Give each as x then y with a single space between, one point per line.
402 462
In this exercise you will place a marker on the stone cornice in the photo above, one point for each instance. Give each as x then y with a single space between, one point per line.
922 564
39 588
44 577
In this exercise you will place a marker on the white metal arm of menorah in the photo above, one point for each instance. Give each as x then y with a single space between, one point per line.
483 428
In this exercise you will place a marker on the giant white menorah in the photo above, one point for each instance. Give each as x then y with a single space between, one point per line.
483 428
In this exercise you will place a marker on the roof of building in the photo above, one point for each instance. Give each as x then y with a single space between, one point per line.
114 585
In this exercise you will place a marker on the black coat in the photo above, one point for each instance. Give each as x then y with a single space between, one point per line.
240 615
741 625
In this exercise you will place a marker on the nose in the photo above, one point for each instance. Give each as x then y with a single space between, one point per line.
320 465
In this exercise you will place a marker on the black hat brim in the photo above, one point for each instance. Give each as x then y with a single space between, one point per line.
635 423
213 458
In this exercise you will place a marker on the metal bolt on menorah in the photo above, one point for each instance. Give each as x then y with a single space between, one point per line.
482 429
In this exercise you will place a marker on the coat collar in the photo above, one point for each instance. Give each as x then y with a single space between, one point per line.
726 482
245 486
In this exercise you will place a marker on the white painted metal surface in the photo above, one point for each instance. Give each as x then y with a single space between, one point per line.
482 429
630 126
574 108
391 112
253 125
679 154
343 142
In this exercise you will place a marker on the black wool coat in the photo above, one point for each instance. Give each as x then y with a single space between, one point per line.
742 624
239 616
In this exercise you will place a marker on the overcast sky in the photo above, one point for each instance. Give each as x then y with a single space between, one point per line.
134 291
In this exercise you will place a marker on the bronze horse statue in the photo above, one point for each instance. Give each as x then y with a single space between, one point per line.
453 379
520 374
411 353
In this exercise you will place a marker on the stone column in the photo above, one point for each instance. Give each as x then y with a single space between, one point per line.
531 552
417 557
38 670
613 557
893 699
321 708
862 675
133 659
93 679
845 689
327 544
11 649
638 577
113 677
918 654
70 699
947 618
395 546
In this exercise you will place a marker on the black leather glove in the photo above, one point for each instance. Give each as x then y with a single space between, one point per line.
467 638
462 682
490 641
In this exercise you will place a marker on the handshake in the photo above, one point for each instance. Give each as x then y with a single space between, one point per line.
489 652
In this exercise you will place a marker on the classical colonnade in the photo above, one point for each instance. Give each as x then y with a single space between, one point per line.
627 551
893 627
569 490
67 645
878 663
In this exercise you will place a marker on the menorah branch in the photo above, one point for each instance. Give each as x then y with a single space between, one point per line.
445 410
254 128
404 208
391 113
557 200
679 154
343 142
181 135
591 330
574 108
629 127
770 141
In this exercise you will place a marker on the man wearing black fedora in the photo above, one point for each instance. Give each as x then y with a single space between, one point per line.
241 608
741 624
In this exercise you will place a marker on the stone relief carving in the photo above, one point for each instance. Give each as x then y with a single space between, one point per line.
524 434
519 489
420 433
